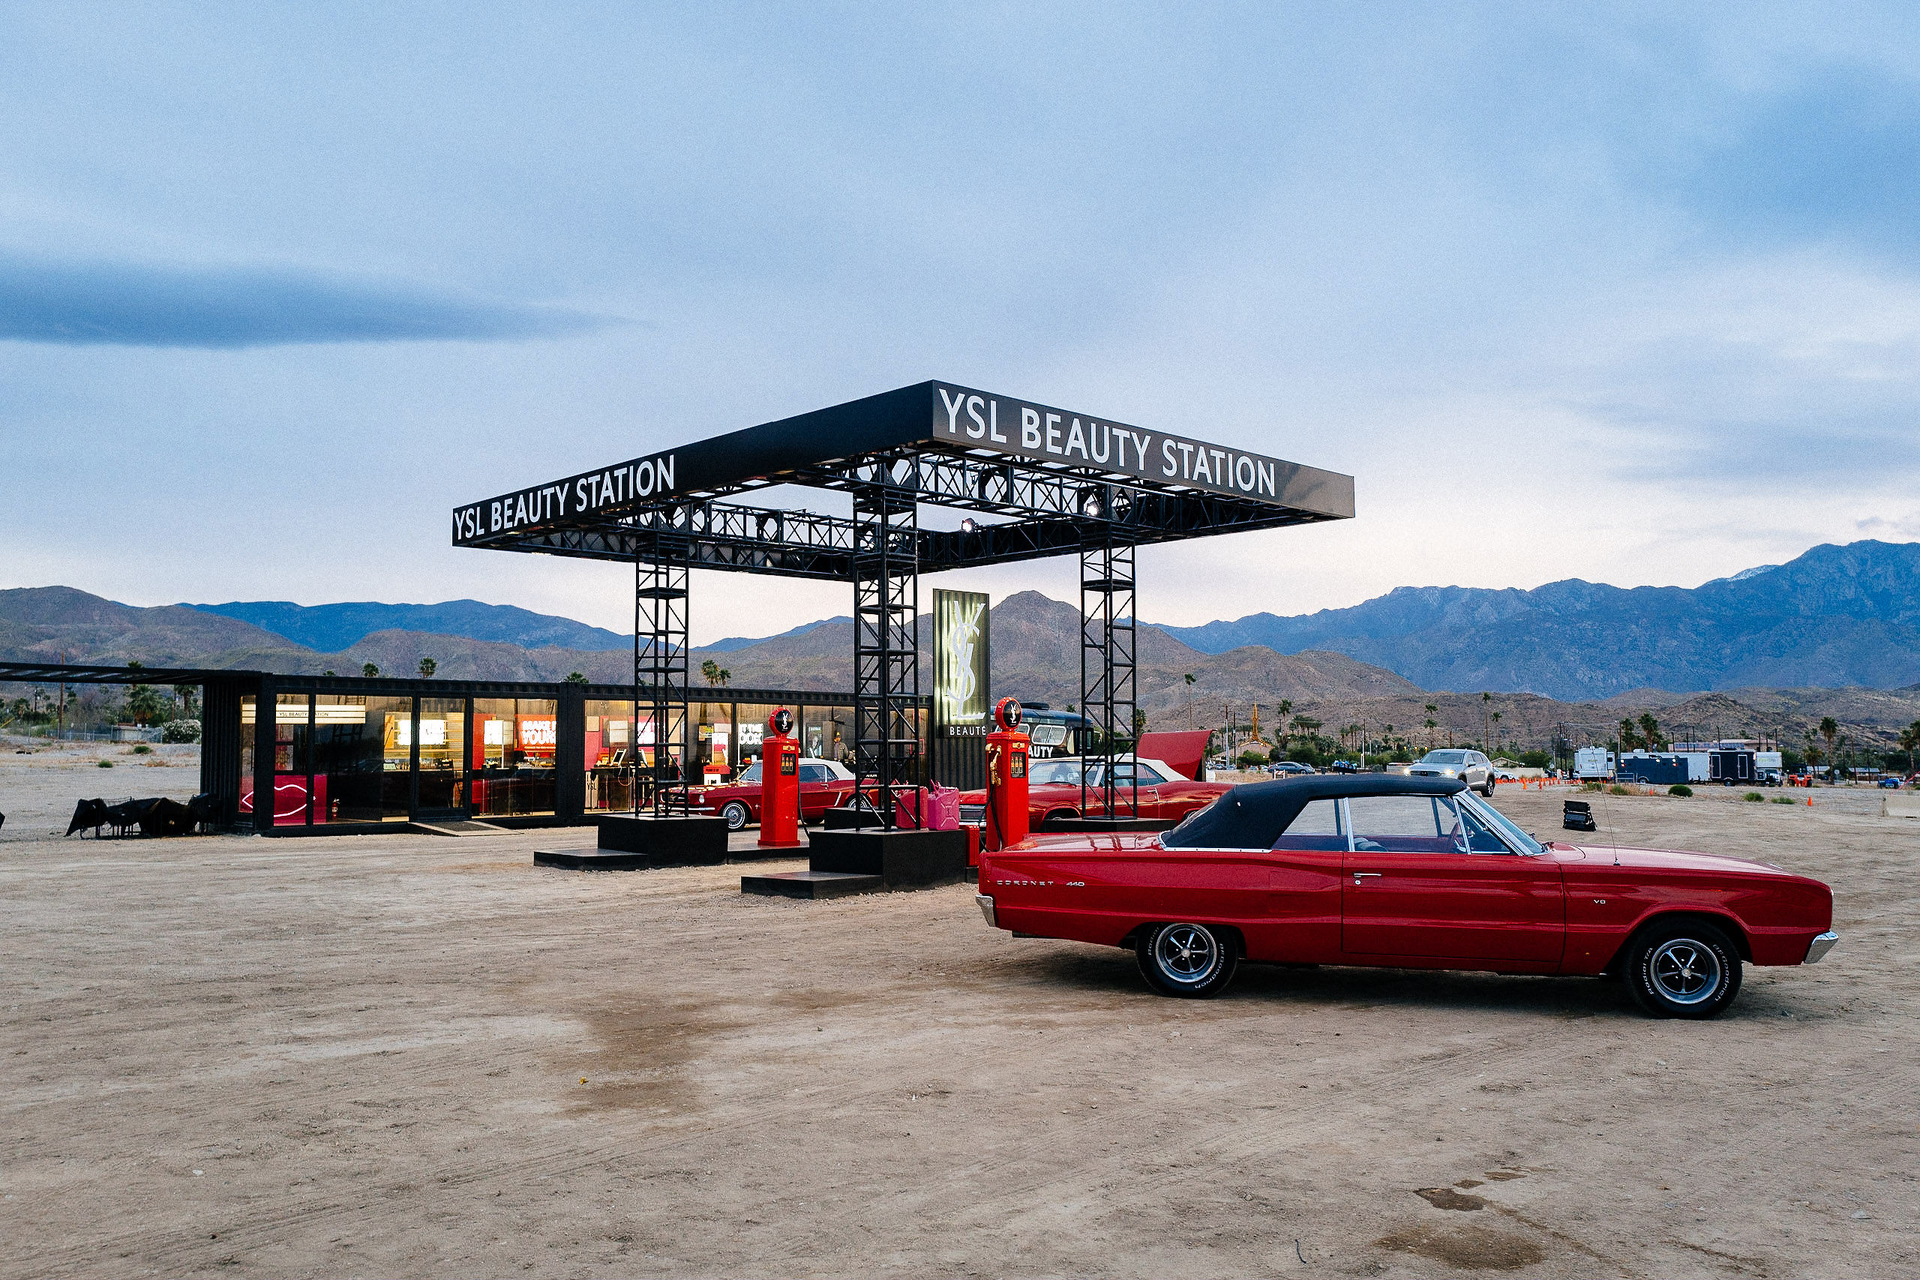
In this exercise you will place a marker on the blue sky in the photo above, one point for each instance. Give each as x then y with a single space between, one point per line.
1629 294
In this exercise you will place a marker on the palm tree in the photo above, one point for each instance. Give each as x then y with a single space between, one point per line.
714 672
1431 724
1910 741
1496 720
1829 730
1486 725
1189 679
368 670
427 667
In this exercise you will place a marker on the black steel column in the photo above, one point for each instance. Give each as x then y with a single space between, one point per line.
266 727
886 642
221 747
1107 684
660 668
569 754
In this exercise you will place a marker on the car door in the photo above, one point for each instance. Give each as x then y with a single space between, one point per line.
1124 797
1300 922
1413 887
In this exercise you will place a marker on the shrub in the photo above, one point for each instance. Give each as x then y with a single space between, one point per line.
106 764
1591 786
143 750
180 731
1753 797
1680 789
1617 790
1785 800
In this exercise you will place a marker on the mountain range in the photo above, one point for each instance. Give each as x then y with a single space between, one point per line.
1835 617
1035 654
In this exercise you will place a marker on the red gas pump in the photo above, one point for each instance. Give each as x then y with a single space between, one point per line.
779 783
1006 816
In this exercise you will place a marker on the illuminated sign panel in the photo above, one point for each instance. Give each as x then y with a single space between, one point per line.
960 664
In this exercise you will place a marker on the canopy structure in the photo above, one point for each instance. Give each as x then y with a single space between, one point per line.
1044 482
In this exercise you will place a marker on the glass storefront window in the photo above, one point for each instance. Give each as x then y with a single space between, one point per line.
713 741
362 758
244 789
826 733
292 758
608 756
443 753
750 728
514 741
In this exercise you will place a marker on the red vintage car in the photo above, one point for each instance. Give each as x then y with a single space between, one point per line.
1409 873
824 785
1053 791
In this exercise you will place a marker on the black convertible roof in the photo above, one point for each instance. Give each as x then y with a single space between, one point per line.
1260 811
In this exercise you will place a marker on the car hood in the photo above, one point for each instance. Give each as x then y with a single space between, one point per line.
1666 859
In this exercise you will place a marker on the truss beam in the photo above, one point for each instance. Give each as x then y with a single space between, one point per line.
1108 688
886 646
660 676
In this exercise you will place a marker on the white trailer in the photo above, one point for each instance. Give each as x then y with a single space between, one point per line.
1699 765
1593 764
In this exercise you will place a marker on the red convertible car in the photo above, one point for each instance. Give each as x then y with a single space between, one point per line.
1409 873
1053 791
824 785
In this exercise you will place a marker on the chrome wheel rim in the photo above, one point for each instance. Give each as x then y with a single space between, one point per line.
736 816
1685 971
1186 953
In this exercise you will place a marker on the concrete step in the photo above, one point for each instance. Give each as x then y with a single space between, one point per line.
592 859
458 827
811 884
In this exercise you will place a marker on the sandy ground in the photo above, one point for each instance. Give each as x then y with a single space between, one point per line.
408 1055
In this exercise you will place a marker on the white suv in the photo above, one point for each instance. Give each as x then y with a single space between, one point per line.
1470 767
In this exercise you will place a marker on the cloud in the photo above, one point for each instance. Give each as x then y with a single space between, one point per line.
94 303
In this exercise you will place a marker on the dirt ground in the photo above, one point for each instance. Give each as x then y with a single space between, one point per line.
410 1055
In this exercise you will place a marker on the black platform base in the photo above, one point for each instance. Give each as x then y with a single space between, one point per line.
699 840
849 819
1107 824
591 860
902 859
811 884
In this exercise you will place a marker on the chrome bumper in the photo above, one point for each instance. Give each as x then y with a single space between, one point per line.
1820 946
986 909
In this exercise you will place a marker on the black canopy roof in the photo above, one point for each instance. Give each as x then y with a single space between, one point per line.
1251 816
1040 475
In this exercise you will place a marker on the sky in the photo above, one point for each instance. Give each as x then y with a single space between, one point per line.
1625 293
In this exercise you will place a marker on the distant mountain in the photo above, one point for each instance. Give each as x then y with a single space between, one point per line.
1838 616
734 643
332 627
1035 655
1035 649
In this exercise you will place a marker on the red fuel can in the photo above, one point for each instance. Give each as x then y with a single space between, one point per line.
779 783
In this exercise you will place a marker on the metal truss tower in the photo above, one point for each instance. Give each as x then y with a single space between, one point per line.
660 677
1107 685
886 647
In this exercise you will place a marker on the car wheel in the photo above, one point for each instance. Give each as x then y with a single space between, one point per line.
737 815
1193 961
1486 788
1685 970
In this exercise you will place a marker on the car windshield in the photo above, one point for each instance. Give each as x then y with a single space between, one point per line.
1501 823
752 774
1444 757
1042 773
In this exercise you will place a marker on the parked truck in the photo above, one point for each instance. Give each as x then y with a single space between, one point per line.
1593 764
